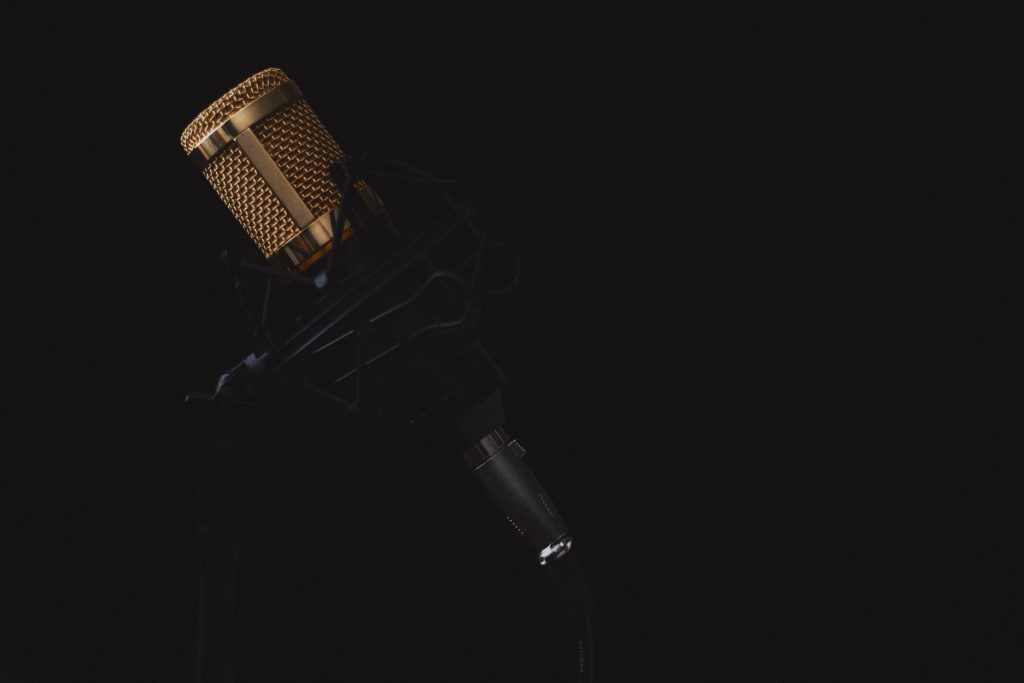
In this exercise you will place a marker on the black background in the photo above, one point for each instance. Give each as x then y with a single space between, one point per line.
763 298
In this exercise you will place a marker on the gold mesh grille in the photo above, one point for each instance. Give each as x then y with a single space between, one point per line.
234 100
303 149
250 200
297 143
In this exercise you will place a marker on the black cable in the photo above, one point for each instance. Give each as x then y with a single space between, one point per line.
571 584
585 651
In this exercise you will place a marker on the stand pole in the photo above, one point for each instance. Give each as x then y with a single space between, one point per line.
219 487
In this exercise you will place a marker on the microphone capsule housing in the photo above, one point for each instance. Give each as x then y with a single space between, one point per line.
268 156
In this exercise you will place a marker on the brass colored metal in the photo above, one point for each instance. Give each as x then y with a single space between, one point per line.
269 158
241 121
250 200
301 146
308 246
273 176
243 94
311 244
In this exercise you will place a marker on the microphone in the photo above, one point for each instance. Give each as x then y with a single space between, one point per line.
268 157
271 160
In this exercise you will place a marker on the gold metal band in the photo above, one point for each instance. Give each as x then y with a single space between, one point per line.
308 246
242 120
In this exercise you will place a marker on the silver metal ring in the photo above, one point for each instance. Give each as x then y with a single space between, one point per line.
558 549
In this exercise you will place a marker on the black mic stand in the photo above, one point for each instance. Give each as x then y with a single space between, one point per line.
225 438
383 295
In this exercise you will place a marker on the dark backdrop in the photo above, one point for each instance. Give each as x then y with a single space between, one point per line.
747 356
